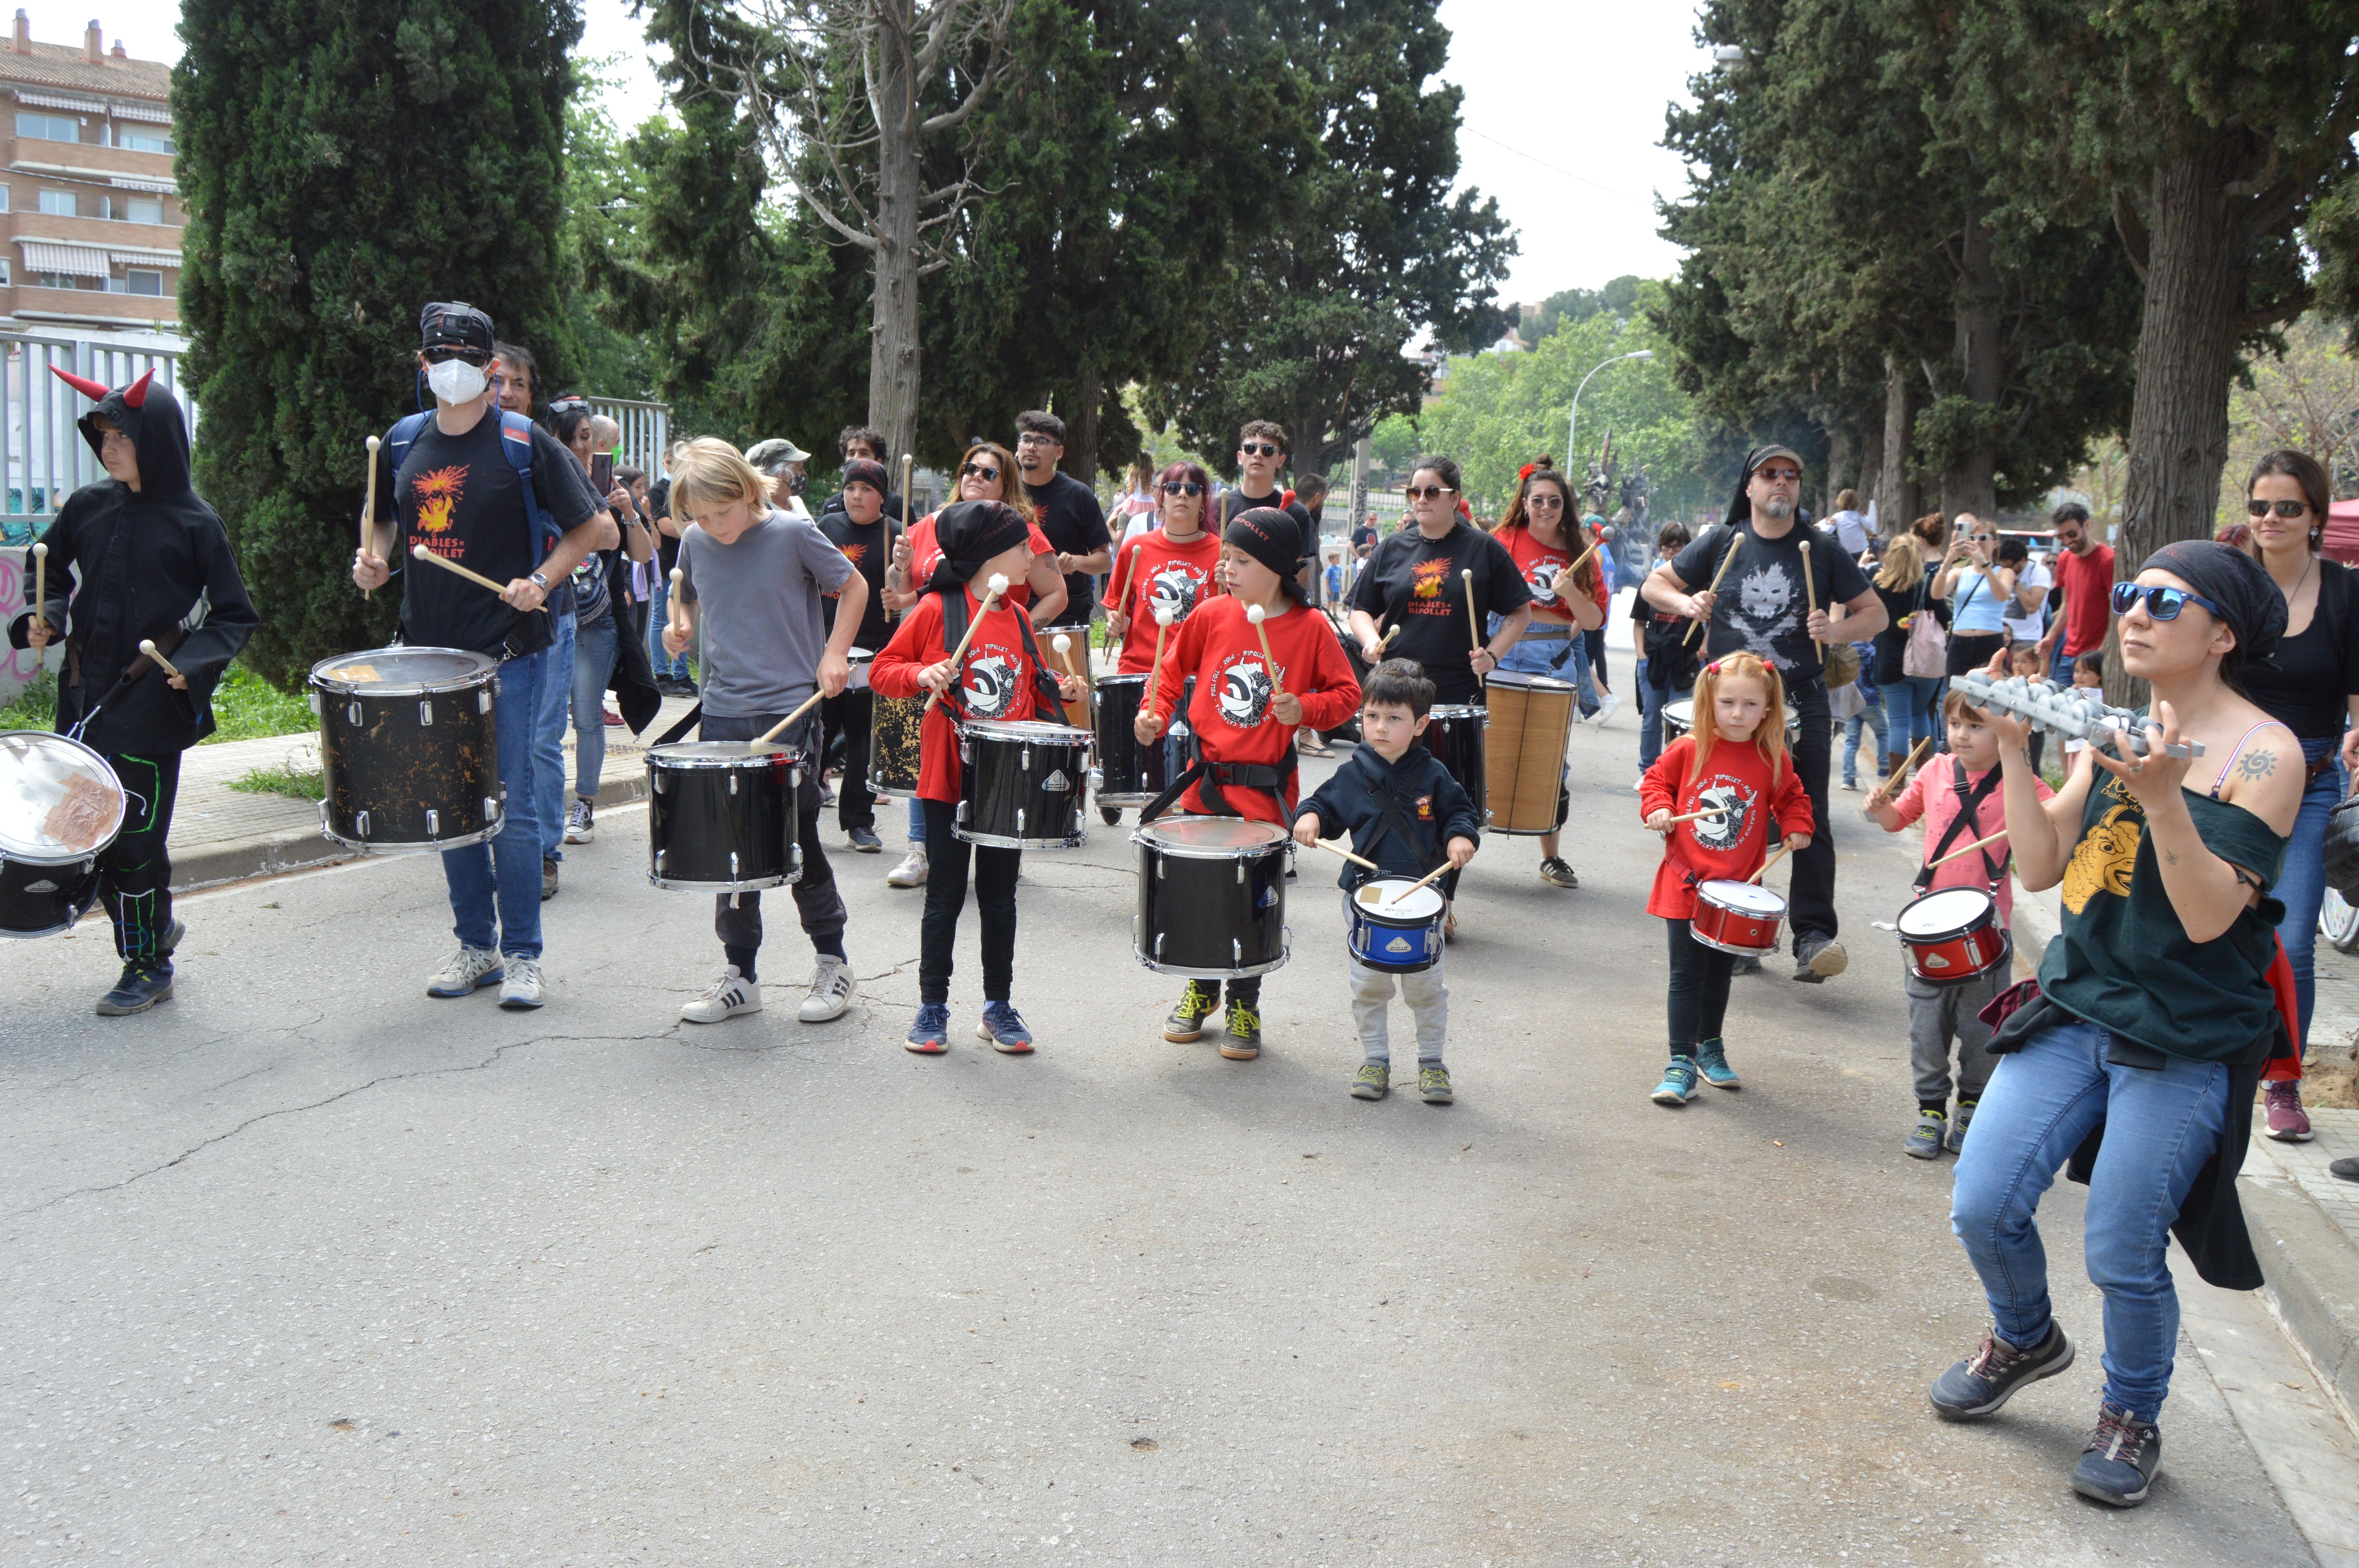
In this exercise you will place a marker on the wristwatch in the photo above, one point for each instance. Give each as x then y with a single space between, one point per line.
539 581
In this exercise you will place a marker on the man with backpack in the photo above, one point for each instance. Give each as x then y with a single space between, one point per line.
491 491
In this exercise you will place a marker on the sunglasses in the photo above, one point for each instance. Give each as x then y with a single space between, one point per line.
568 404
1544 502
476 357
1781 473
976 470
2282 508
2162 603
1182 487
1258 449
1430 492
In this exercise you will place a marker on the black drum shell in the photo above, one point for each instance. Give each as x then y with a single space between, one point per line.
1021 791
1210 917
42 898
1126 773
1455 738
894 758
723 829
399 757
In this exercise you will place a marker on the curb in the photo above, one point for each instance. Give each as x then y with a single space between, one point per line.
2313 1280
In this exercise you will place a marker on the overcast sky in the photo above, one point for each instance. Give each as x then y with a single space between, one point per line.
1563 109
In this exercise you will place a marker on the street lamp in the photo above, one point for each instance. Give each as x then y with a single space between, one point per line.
1571 452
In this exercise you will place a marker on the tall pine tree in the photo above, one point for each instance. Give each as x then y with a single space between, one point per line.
342 166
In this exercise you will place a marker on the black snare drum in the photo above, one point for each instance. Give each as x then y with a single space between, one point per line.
1212 897
408 748
1455 738
893 756
721 816
1128 774
1020 785
60 806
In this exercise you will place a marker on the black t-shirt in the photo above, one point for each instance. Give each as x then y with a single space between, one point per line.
1233 501
1365 534
1076 526
2308 679
1415 583
459 496
667 547
1762 607
1670 665
1892 642
869 549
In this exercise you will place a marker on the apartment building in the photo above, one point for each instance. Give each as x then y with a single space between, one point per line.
90 218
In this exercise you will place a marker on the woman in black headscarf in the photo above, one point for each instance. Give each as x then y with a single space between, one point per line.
2155 1010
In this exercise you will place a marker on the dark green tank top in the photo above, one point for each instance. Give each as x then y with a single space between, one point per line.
2123 961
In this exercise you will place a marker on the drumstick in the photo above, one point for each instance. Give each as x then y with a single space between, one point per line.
1810 586
673 604
908 460
1725 562
1772 861
421 553
1473 622
1960 854
996 586
775 731
1155 674
1420 882
1708 811
147 647
1256 614
40 583
1583 556
1356 859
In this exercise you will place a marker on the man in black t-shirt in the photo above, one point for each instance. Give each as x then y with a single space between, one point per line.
457 495
1763 607
1069 513
1261 452
864 533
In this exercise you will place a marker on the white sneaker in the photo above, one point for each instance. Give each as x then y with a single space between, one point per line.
579 828
911 872
832 986
725 997
468 970
1605 706
521 988
1639 788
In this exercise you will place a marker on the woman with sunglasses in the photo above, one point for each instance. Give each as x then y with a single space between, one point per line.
1981 593
1539 536
2155 1010
987 472
1174 565
2312 686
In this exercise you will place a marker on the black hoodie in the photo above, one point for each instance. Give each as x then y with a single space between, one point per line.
1430 801
153 563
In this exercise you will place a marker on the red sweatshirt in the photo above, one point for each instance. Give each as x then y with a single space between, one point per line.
925 555
996 681
1231 715
1717 847
1152 571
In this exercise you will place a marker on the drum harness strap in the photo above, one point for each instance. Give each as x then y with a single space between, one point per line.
1969 806
956 614
1237 775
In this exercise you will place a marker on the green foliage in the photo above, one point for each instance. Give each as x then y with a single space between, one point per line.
247 708
34 707
287 779
343 166
1619 297
1395 443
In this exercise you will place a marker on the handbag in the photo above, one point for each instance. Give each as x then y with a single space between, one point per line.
1928 653
1839 661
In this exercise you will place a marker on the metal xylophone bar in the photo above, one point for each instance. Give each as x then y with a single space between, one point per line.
2079 715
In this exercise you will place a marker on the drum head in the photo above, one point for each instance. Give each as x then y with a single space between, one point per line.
1939 914
717 753
1414 910
401 669
1030 730
1681 713
58 797
1745 898
1474 713
1213 834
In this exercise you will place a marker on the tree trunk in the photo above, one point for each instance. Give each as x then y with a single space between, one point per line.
1308 436
1871 468
1082 423
1969 482
1839 458
1898 490
893 341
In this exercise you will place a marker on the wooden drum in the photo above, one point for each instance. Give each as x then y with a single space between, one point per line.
1524 747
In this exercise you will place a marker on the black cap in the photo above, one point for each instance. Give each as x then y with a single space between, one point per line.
454 324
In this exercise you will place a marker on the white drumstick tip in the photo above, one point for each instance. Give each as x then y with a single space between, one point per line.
373 444
40 552
1163 615
147 646
1062 644
1255 613
998 583
676 575
420 551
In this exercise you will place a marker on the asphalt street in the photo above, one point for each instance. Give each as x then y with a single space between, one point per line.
306 1266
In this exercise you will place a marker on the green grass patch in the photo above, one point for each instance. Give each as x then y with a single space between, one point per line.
294 783
34 708
247 708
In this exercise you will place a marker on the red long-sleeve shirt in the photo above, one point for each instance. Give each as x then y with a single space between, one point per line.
1152 571
1715 847
1232 714
995 680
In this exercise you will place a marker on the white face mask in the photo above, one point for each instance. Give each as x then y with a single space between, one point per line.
456 380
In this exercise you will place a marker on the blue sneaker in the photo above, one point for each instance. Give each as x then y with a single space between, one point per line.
1980 1384
2121 1458
930 1035
1005 1029
1711 1061
1678 1084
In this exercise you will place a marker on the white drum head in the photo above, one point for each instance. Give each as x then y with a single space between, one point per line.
1681 713
1937 914
1213 833
861 658
1417 909
58 798
1745 898
1029 730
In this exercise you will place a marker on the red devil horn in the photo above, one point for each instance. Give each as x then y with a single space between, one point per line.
81 384
135 394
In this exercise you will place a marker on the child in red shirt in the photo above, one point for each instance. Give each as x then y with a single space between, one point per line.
1734 760
1245 715
999 677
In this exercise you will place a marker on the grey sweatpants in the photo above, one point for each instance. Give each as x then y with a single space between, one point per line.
1428 1003
1939 1014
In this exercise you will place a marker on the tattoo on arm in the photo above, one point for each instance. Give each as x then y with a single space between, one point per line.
2170 857
2257 765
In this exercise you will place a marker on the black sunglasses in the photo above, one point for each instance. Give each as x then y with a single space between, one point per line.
1182 487
568 404
444 353
2162 603
976 470
1258 449
1430 492
2283 508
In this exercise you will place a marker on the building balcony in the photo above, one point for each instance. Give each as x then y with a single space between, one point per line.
35 306
102 232
87 160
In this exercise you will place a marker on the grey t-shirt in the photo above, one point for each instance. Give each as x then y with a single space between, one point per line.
759 612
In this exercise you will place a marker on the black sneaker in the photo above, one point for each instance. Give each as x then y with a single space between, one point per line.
864 839
2119 1464
1244 1042
1110 814
1978 1385
1745 967
1555 872
141 988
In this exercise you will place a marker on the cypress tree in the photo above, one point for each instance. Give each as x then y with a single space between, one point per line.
341 166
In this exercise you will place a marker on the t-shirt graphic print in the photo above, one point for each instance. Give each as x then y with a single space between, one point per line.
1246 690
1737 801
992 679
438 491
1768 602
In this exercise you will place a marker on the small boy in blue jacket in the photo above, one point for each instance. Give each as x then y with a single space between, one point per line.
1407 813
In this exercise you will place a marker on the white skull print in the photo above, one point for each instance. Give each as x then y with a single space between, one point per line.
1175 588
1768 606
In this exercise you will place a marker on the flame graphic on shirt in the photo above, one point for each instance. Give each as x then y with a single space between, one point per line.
855 554
1426 579
438 491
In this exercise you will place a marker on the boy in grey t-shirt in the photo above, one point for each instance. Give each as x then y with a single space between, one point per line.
754 576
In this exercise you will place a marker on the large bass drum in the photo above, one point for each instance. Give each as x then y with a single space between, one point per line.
1523 751
722 816
408 749
60 806
1212 897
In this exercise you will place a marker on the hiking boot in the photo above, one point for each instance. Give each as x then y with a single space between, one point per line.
1004 1028
864 840
1678 1084
911 872
2121 1458
141 988
1554 871
727 997
1925 1138
1373 1081
467 970
1978 1385
1197 1002
1711 1061
520 987
1956 1141
1816 957
547 879
1433 1084
930 1034
579 827
1244 1042
2289 1123
832 986
1744 966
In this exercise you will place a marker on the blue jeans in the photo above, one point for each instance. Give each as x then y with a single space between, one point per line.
1873 717
2059 663
1562 658
917 821
596 648
667 667
1650 719
549 742
496 887
2302 884
1909 712
2161 1125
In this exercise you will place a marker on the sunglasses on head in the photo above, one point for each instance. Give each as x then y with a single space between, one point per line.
976 470
568 404
1779 473
1182 487
446 352
1258 449
2161 603
2282 508
1429 492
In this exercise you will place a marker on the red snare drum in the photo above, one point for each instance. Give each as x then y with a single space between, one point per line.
1952 936
1738 917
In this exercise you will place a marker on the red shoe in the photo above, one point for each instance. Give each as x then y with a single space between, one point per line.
2289 1123
614 720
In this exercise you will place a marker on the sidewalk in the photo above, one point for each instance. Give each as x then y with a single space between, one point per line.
222 835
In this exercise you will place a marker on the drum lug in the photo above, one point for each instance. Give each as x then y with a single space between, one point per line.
1237 952
352 714
1025 758
315 704
962 811
484 701
733 875
360 823
656 779
326 819
1159 946
1019 822
732 790
426 713
1097 780
491 811
1241 871
434 823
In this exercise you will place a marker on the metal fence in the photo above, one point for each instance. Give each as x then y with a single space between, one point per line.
42 454
646 431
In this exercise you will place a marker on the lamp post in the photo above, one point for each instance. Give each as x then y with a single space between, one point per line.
1571 452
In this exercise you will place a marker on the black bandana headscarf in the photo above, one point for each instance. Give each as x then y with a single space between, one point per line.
1273 538
969 534
2248 596
864 471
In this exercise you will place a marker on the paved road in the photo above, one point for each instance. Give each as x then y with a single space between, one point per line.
306 1266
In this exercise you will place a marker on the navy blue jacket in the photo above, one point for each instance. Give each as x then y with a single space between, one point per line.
1353 800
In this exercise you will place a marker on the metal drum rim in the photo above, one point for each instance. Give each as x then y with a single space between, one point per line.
678 884
371 846
1029 730
67 858
746 762
1208 852
997 841
1949 933
421 688
1190 971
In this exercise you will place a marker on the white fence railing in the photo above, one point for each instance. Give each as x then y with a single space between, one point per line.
646 431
